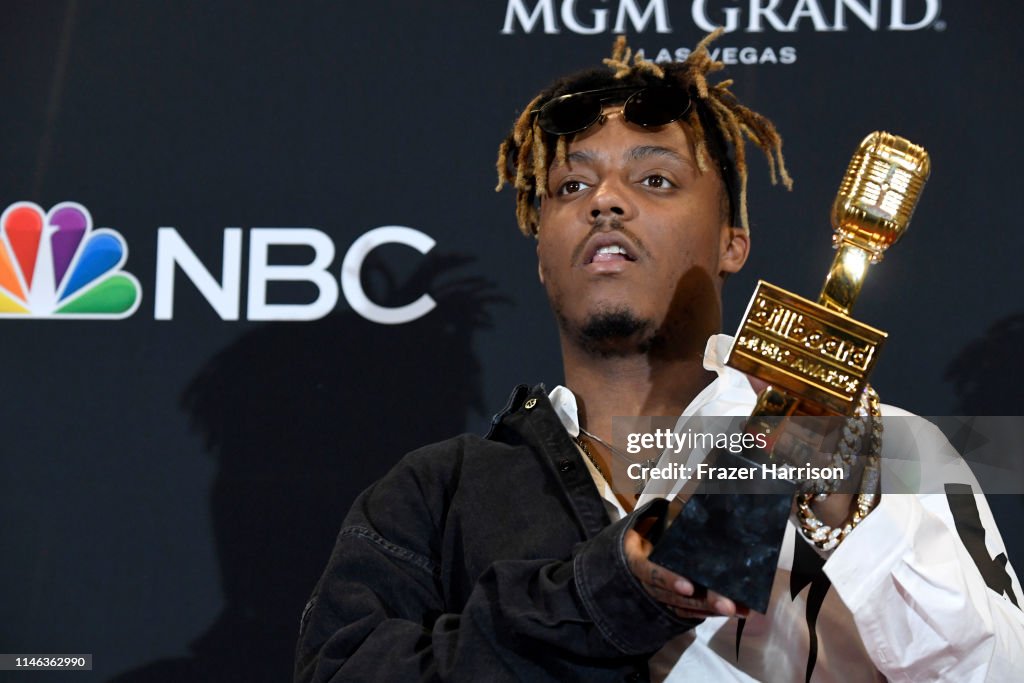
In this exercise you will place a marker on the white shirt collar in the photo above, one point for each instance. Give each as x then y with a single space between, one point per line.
729 394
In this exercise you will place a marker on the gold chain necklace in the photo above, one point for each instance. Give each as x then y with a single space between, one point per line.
586 451
641 482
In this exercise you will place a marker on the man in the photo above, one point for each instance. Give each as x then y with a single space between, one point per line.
519 556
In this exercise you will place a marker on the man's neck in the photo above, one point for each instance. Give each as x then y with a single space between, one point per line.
628 385
631 385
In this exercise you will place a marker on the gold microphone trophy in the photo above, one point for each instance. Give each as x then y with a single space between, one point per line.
816 360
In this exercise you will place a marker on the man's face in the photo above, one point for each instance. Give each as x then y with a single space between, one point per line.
633 243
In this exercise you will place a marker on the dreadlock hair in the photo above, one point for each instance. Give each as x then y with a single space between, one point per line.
718 123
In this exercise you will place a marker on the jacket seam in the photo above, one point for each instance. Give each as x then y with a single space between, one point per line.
397 551
594 610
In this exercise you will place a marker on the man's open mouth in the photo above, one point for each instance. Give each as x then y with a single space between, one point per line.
607 251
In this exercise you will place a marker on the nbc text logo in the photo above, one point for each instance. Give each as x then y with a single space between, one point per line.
55 265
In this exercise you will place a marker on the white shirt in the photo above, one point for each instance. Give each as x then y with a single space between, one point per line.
906 602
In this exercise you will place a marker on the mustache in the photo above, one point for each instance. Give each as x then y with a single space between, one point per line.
609 225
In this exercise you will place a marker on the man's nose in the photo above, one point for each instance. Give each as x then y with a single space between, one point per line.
611 199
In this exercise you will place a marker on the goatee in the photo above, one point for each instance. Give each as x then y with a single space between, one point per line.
618 332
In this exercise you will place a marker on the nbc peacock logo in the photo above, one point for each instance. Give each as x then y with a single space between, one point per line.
55 265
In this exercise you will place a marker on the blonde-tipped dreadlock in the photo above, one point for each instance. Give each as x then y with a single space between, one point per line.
525 155
620 61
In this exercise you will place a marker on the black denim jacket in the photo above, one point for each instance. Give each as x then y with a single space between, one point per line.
484 560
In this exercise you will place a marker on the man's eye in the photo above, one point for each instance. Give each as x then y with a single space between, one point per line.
657 181
571 186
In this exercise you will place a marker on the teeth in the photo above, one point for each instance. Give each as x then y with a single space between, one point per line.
613 249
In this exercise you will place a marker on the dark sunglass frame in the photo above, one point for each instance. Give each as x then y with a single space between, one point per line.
591 102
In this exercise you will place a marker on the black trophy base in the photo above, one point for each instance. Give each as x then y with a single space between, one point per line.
727 539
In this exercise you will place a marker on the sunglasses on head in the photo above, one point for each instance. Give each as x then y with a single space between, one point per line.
654 105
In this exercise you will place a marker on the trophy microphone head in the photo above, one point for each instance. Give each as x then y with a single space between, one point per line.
878 193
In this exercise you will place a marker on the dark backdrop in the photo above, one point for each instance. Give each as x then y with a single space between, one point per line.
170 489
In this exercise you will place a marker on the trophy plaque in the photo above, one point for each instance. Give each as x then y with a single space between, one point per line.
816 359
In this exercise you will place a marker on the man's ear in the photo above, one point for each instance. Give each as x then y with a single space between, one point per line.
734 249
540 271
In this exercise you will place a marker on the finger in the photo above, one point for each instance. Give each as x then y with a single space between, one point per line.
673 599
680 602
644 526
636 545
708 602
670 588
684 586
699 600
725 606
655 575
722 605
703 599
637 549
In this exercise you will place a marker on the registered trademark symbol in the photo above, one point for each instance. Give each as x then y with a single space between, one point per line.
939 25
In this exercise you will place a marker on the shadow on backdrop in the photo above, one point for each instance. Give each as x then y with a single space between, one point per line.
987 378
301 417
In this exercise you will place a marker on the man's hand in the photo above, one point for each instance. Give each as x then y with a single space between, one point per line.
675 592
